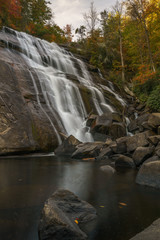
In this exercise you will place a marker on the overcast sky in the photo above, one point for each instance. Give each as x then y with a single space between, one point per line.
71 11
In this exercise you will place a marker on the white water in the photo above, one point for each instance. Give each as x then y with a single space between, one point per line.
62 96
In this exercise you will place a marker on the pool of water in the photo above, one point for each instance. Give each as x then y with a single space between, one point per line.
123 207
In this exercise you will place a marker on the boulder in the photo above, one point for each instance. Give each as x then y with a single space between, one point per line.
104 153
102 123
150 233
117 130
68 146
61 214
121 145
138 140
124 162
88 150
154 120
154 140
149 174
141 154
152 159
108 170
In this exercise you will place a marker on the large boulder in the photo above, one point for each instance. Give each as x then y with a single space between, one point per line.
154 120
149 174
138 140
150 233
141 154
88 150
68 146
117 130
61 214
124 162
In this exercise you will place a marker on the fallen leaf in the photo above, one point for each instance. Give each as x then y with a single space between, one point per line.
101 206
123 204
85 159
76 221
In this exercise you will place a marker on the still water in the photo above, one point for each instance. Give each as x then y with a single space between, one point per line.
26 182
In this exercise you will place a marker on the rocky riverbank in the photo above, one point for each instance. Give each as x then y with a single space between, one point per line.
140 150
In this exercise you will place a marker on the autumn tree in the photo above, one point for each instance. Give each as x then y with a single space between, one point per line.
68 33
137 9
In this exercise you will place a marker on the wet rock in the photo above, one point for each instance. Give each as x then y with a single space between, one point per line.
88 150
149 174
68 146
141 154
150 233
91 119
102 123
107 169
124 162
59 214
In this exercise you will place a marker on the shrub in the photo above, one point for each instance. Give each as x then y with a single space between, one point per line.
154 99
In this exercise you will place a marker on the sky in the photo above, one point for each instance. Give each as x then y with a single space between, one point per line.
71 11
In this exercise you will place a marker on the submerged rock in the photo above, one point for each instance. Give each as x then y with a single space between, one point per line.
61 214
149 174
150 233
108 170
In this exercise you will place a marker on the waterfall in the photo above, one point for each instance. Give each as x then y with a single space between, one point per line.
52 64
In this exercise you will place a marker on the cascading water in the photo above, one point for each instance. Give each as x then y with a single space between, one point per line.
52 64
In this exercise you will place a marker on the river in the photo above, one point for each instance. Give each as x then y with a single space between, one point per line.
123 207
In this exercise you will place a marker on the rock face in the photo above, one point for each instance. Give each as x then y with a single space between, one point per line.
60 217
30 118
150 233
149 174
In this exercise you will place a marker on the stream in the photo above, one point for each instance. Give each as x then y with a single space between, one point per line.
123 207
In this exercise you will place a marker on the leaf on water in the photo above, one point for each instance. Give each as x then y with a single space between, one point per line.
122 204
76 221
86 159
101 206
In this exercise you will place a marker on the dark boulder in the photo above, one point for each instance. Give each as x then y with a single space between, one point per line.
150 233
117 130
124 162
88 150
141 154
60 215
149 174
68 146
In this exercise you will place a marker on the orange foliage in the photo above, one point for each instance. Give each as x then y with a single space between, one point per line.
144 74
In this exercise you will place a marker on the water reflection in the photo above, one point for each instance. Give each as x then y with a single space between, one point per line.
25 183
